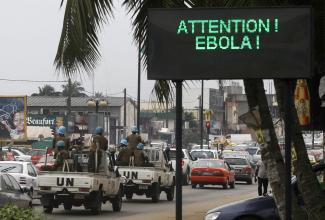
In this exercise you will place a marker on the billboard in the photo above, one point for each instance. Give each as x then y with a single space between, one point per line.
13 118
229 43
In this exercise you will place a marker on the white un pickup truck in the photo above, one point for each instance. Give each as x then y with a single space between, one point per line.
81 188
150 180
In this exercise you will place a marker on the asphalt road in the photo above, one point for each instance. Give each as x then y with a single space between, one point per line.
195 204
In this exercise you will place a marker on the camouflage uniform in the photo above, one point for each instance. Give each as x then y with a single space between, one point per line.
60 138
61 157
139 158
133 141
123 157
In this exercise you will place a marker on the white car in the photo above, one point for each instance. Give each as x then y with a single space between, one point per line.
18 155
204 154
187 162
24 172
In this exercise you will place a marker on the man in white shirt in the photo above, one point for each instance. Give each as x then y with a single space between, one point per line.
262 179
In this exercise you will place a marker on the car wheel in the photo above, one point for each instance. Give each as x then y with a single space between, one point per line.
99 200
250 181
170 193
225 185
117 202
155 192
232 185
48 209
193 186
67 206
201 185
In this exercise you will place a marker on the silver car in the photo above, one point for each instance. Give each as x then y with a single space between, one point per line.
10 192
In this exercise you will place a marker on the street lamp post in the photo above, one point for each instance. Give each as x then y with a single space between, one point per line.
97 103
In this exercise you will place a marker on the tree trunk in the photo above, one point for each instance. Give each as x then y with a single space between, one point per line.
314 198
270 151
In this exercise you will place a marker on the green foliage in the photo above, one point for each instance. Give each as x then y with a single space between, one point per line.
12 212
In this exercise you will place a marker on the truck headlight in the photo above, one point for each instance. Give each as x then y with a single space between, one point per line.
212 216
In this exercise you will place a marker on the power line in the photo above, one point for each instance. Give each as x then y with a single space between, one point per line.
33 81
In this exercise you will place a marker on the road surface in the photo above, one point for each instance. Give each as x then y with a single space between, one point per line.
195 204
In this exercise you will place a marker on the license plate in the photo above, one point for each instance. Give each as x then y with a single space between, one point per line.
207 174
143 187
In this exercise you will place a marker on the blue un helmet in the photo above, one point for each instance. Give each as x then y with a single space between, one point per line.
140 146
99 130
60 145
124 142
61 130
134 130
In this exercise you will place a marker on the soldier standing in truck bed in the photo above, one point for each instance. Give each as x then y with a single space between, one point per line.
134 139
60 136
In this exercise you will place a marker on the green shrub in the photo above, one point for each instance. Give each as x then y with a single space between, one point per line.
12 212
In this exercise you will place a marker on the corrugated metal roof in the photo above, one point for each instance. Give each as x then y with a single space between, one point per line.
47 101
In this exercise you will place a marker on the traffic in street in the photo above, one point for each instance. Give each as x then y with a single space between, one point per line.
196 202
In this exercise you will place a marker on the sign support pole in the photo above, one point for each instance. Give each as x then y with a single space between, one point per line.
287 101
179 150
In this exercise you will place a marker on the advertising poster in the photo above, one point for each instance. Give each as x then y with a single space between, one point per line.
13 118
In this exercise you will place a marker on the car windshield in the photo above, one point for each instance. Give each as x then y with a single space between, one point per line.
251 151
236 161
42 160
202 154
209 163
11 168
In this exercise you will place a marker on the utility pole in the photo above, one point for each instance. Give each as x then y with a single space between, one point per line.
139 77
69 103
201 115
124 120
167 112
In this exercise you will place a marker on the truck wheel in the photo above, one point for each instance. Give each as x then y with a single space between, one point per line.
99 200
67 206
117 202
48 209
129 196
170 193
155 195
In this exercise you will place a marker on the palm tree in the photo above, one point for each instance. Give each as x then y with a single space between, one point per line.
46 90
76 90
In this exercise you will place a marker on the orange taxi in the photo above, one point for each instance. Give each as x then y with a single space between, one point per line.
212 172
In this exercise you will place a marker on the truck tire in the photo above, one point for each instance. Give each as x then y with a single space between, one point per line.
99 200
67 206
48 209
129 195
170 193
117 202
155 194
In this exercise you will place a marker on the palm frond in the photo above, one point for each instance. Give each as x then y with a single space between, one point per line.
78 46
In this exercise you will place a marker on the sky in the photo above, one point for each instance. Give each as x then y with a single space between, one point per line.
29 37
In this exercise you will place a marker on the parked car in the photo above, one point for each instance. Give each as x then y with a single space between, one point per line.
259 208
11 192
212 172
198 146
187 162
242 167
18 155
49 162
36 154
24 173
204 154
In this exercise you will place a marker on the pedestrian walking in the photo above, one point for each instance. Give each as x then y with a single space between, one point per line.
261 178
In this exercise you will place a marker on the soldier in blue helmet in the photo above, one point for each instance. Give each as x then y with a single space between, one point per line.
123 156
62 155
99 146
60 136
134 139
140 159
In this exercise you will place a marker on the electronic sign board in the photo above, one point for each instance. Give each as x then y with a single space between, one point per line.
229 43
